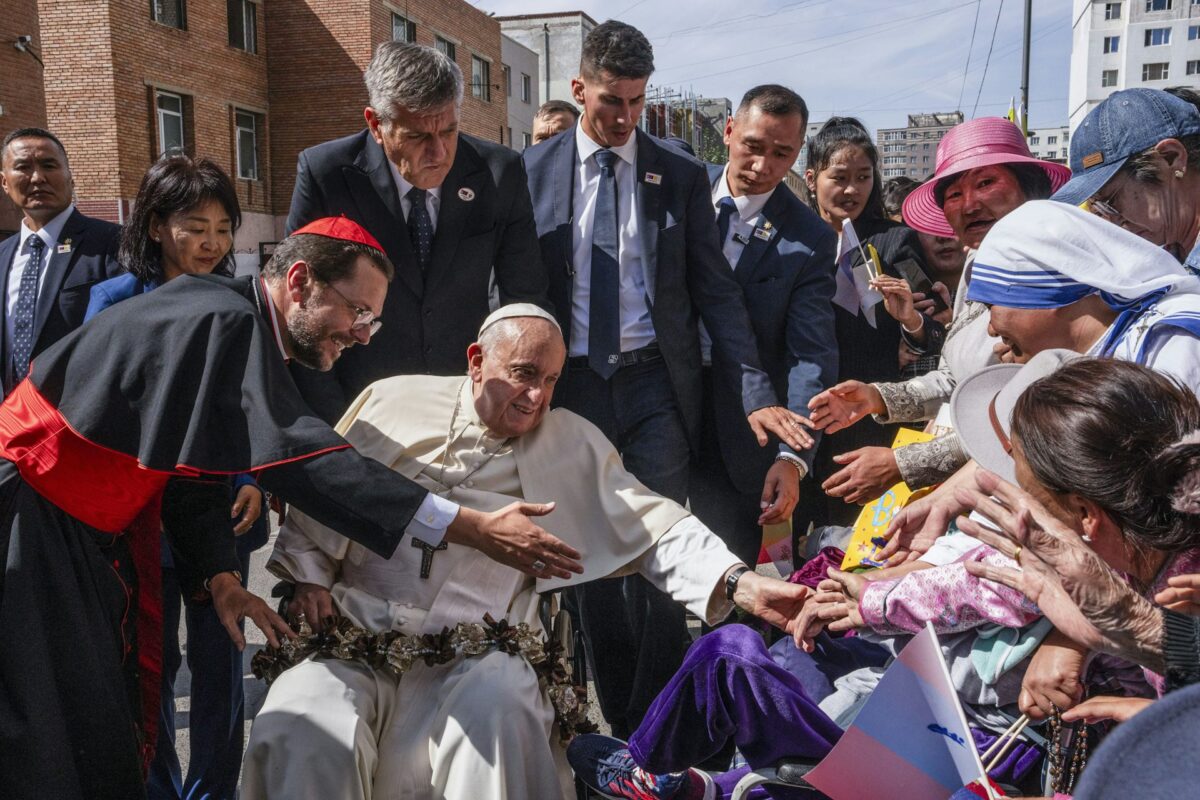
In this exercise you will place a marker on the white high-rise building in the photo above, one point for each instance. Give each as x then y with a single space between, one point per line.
1051 144
1121 45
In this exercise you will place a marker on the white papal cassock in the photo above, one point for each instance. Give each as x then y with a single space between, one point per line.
476 728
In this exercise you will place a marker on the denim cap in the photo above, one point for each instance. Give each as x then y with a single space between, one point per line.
1125 124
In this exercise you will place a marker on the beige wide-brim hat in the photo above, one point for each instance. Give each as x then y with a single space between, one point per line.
981 408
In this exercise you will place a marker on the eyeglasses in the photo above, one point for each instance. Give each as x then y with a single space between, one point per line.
364 317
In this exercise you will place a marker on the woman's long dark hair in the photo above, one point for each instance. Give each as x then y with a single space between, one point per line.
1122 436
834 136
175 183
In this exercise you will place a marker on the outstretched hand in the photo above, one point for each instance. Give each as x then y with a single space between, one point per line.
843 405
786 424
510 537
234 603
865 475
770 599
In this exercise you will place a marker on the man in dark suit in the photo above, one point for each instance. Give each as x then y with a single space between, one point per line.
447 207
782 255
627 236
50 265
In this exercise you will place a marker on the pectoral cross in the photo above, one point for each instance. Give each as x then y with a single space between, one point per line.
427 552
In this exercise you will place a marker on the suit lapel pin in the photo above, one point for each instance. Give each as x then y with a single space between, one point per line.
466 194
763 233
65 247
653 178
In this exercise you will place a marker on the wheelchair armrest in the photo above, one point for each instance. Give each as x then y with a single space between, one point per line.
791 771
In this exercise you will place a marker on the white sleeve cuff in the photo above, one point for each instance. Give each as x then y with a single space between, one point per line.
433 516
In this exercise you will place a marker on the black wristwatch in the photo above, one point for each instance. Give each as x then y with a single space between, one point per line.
731 582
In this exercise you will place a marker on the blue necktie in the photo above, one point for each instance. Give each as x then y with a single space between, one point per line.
604 309
420 226
727 208
22 345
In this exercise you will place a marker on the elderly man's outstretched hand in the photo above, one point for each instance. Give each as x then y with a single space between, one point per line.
845 404
770 599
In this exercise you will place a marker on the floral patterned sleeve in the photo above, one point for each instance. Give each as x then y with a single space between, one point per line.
927 463
951 598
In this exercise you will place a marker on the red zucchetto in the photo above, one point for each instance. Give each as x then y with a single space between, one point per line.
341 228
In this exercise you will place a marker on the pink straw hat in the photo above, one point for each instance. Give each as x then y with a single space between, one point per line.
977 143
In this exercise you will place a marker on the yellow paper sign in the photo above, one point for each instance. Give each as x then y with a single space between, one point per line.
872 523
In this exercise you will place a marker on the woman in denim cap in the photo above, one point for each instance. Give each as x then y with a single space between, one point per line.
1135 161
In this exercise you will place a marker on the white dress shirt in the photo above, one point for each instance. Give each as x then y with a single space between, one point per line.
741 228
637 330
433 197
49 234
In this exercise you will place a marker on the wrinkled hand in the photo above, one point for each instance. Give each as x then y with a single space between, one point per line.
845 404
248 504
865 475
1182 594
233 604
781 492
834 606
1102 707
787 425
1053 677
924 303
898 301
510 537
1073 587
314 602
770 599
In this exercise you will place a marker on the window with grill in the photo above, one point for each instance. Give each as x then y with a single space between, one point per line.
481 79
169 12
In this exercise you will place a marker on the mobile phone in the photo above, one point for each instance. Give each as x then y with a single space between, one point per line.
918 281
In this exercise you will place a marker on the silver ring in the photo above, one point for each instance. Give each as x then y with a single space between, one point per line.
538 566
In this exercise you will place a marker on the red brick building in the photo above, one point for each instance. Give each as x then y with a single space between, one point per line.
22 101
248 83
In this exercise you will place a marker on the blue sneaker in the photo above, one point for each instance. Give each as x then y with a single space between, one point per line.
605 766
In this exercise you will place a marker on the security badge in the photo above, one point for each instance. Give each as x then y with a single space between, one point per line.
466 194
65 247
653 178
764 232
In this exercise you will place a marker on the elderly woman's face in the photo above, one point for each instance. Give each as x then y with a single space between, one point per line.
1163 212
978 199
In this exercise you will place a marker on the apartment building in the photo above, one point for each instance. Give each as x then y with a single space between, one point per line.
911 151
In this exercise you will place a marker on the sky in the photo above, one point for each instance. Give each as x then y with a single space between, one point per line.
879 60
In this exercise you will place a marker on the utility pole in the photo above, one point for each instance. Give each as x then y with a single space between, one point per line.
1025 69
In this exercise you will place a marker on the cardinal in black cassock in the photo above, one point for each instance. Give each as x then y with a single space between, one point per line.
125 428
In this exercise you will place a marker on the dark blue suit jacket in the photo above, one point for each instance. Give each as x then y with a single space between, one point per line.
687 277
788 282
484 223
63 298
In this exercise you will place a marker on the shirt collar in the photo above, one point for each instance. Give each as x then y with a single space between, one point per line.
748 206
49 232
263 299
403 186
587 147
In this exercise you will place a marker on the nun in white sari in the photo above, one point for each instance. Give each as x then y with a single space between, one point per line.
1057 276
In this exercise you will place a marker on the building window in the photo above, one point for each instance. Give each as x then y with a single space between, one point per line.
1193 68
526 140
246 136
510 139
1066 136
481 79
1158 5
1156 72
1108 78
1112 44
445 47
169 12
507 70
1157 37
1033 140
169 108
526 88
1193 32
403 29
243 24
1063 153
1051 140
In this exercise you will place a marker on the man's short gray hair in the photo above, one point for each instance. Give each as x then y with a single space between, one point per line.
414 77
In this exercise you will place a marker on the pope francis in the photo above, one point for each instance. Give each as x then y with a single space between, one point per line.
477 728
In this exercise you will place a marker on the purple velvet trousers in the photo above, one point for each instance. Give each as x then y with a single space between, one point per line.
729 687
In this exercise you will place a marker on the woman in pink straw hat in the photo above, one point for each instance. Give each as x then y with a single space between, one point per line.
984 171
